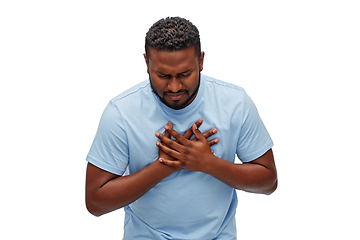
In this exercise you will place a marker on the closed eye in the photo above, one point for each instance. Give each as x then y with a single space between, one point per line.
164 76
185 75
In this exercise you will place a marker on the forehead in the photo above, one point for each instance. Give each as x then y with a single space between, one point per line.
172 61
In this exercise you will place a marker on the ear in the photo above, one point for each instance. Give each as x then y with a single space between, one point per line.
147 62
201 60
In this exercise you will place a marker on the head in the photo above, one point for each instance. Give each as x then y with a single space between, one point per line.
174 61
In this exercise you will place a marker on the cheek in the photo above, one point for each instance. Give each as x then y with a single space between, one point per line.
193 84
158 86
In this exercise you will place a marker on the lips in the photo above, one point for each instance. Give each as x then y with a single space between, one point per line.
175 96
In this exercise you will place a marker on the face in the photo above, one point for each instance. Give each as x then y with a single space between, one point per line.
175 76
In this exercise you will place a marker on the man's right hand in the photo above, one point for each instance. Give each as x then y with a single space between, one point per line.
106 191
188 134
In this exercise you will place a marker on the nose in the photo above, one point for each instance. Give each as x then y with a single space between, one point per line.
174 85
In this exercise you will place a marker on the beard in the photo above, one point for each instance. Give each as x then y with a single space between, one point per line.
178 106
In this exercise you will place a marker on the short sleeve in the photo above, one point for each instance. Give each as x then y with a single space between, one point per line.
109 150
254 139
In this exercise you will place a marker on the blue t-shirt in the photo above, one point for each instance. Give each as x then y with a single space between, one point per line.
185 205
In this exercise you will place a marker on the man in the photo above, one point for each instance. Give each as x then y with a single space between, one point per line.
155 153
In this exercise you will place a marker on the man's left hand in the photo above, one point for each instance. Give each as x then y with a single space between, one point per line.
192 155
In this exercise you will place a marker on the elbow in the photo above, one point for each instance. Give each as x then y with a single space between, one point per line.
267 189
95 213
272 184
93 210
272 188
98 208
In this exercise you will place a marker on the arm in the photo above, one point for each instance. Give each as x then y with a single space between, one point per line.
106 192
258 176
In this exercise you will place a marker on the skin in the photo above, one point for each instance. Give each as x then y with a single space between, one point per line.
258 176
106 192
175 75
175 79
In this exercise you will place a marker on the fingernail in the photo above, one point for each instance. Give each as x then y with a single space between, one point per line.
214 130
195 126
157 134
166 127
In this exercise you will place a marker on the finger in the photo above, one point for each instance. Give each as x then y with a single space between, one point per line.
166 141
167 134
189 132
213 141
210 132
180 138
168 150
199 136
170 162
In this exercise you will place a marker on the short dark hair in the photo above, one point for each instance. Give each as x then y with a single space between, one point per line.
172 34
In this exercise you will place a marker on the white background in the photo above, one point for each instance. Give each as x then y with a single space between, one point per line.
62 61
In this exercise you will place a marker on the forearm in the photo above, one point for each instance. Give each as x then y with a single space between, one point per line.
122 191
248 177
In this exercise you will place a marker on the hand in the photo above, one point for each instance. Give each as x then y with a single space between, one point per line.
187 135
193 155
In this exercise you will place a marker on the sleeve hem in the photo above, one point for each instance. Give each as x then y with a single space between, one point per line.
105 167
257 154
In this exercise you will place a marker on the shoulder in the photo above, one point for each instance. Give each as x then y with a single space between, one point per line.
137 97
132 93
224 90
221 84
126 101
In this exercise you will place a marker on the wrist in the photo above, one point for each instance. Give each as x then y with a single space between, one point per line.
212 165
168 170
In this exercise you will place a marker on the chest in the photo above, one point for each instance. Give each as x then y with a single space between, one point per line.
142 140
